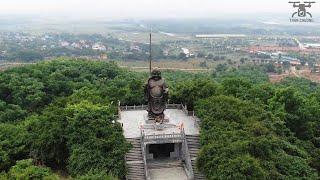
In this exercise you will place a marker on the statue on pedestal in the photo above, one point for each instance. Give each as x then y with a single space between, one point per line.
156 93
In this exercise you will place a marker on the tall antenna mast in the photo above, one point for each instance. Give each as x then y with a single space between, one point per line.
150 56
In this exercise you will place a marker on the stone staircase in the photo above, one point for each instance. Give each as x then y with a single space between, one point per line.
134 161
164 164
194 147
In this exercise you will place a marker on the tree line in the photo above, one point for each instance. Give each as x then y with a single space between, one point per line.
57 119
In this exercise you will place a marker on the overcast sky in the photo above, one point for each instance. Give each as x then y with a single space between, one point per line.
147 8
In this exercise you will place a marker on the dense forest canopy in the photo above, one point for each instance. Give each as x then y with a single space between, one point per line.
57 118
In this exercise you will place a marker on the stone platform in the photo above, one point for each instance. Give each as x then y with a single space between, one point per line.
134 120
177 140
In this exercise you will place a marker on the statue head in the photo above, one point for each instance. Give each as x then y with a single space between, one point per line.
156 73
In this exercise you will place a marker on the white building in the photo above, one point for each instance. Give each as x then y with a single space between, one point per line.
76 45
64 44
311 45
99 47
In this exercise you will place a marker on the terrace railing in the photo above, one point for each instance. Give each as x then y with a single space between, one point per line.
168 106
162 138
144 107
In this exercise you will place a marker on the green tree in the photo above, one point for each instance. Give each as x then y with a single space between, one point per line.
243 141
188 92
25 170
13 145
95 140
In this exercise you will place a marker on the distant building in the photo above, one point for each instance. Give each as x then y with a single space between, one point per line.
76 45
311 45
64 44
43 47
185 51
99 47
295 63
135 48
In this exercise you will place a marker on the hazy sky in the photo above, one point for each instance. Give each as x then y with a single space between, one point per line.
147 8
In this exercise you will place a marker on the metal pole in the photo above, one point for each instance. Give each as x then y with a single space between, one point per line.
150 56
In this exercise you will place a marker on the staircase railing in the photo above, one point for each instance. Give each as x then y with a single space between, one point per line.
144 155
187 158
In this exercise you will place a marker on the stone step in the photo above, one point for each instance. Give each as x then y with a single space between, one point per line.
194 145
133 159
136 173
137 168
135 177
134 153
197 174
136 144
160 165
139 173
193 149
138 154
191 138
194 153
135 165
193 141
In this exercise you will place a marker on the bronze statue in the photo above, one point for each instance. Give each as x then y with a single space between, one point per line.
156 93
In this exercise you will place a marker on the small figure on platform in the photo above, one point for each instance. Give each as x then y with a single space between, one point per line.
156 93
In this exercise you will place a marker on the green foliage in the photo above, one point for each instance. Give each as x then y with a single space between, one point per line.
48 135
71 114
237 87
95 141
61 114
13 145
190 91
252 74
126 88
25 170
100 175
11 112
242 167
305 86
35 86
24 55
241 140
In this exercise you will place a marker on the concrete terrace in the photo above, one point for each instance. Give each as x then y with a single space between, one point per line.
133 120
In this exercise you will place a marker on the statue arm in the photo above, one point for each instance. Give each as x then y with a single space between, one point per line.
165 90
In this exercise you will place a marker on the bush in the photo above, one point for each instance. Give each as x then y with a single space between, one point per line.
25 170
100 175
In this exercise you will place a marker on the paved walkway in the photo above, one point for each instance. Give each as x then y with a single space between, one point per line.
176 173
